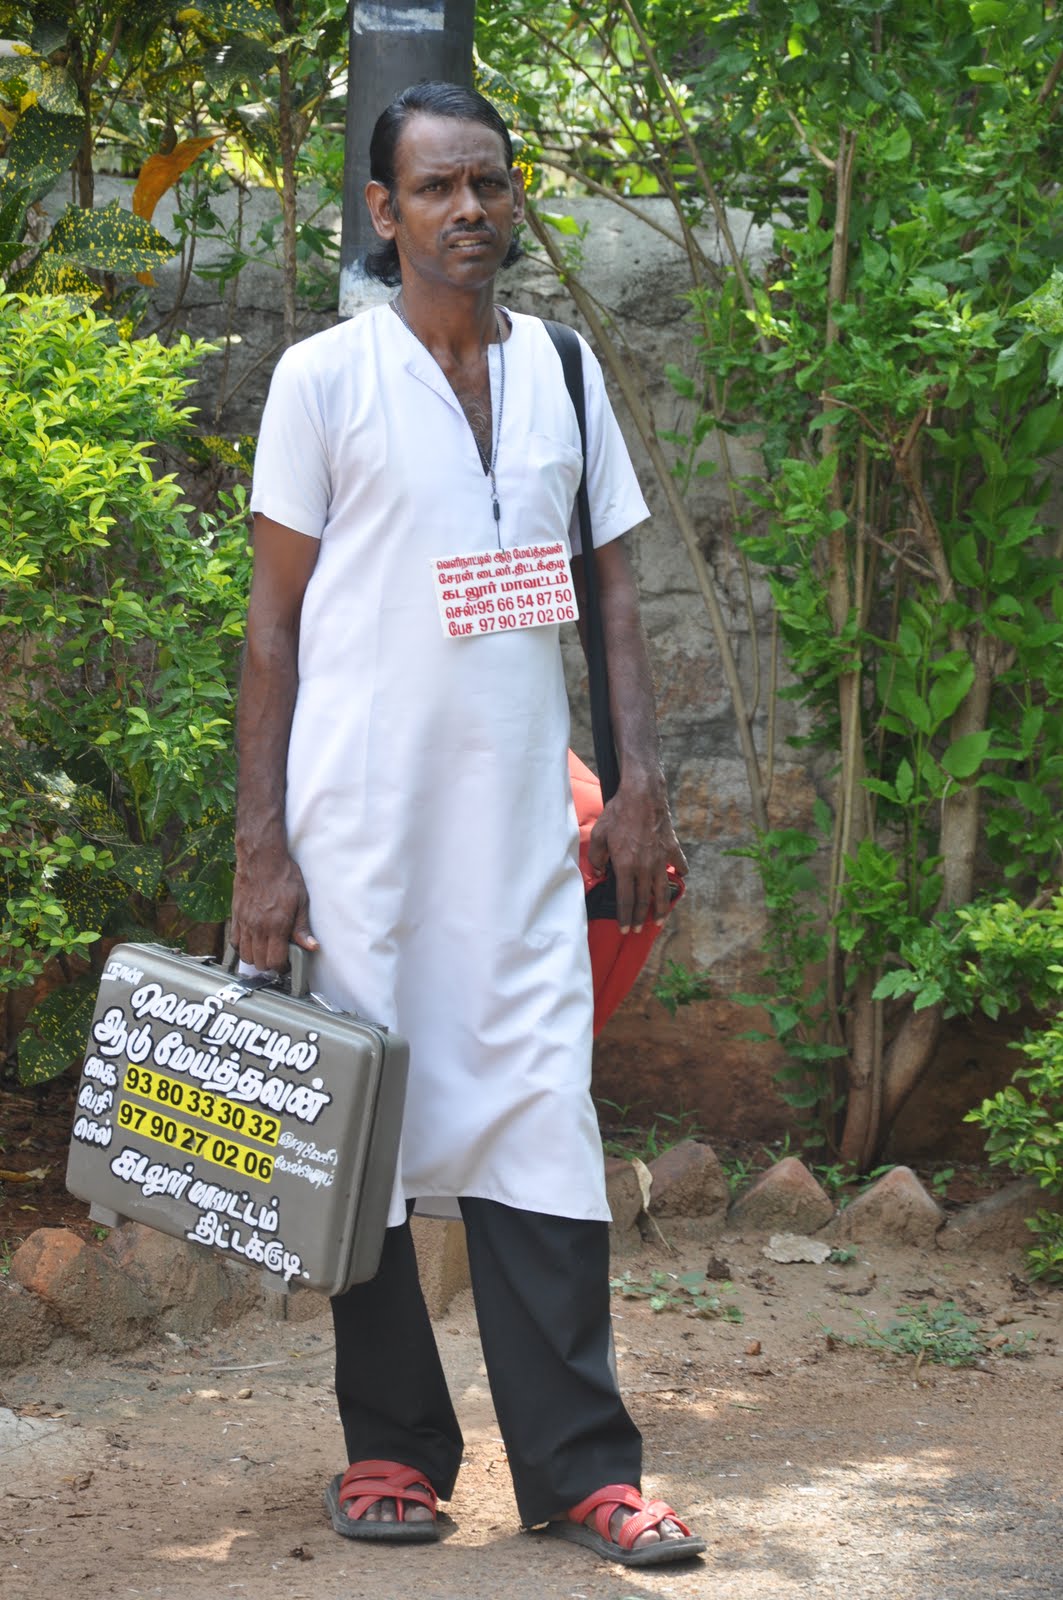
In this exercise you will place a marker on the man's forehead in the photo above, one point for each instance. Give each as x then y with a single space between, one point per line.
428 141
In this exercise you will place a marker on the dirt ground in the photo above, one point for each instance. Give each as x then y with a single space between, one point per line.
195 1471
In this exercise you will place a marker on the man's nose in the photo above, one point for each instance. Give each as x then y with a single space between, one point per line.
468 207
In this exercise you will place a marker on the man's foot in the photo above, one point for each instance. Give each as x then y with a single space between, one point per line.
619 1524
382 1500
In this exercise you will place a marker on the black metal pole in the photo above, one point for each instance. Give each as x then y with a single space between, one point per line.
393 43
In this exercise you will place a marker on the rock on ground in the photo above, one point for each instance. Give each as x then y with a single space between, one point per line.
85 1289
894 1210
786 1198
996 1223
623 1192
688 1181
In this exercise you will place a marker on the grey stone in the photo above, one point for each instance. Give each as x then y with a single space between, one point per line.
688 1181
785 1199
894 1210
442 1260
998 1222
186 1287
86 1289
623 1192
26 1322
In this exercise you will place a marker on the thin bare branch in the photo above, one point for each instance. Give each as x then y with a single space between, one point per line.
810 144
648 433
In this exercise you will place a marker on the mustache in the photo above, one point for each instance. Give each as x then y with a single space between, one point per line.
483 231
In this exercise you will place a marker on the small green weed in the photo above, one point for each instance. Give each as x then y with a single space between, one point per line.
1045 1258
738 1173
677 1291
6 1256
942 1334
680 986
940 1180
630 1140
100 1232
843 1256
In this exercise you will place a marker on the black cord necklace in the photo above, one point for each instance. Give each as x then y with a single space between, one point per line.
489 463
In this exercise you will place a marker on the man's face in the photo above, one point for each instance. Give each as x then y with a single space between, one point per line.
456 202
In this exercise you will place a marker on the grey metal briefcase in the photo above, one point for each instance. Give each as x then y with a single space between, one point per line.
220 1109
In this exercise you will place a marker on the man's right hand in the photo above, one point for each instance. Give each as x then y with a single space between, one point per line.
271 909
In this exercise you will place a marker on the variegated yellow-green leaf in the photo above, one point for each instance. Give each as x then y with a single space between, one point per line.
231 16
238 61
56 1031
201 880
38 83
56 275
12 218
108 240
138 867
39 151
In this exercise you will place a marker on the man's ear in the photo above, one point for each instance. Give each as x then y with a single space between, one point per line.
378 200
516 178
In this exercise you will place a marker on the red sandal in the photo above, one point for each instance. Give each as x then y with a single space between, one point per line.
649 1514
364 1484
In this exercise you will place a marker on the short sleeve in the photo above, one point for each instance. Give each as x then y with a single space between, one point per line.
616 500
292 481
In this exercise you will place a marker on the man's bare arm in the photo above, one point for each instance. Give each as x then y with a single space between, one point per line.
270 903
635 829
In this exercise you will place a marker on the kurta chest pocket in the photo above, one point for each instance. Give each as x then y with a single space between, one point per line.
555 467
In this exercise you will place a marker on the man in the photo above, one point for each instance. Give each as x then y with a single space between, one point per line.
404 791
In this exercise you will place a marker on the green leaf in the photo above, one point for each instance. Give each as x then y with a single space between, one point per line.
681 382
987 13
965 563
949 691
905 782
966 754
1055 367
560 222
914 707
898 147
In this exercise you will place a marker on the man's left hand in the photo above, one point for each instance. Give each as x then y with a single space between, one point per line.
635 833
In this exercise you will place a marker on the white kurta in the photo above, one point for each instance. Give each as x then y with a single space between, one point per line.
428 802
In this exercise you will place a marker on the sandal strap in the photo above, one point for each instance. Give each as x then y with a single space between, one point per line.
365 1483
649 1514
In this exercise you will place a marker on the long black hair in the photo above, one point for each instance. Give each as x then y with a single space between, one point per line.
436 100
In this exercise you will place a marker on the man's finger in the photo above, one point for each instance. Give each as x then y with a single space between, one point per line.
678 860
643 890
662 898
625 896
302 936
598 848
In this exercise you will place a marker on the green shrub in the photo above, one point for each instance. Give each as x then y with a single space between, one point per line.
121 614
1019 952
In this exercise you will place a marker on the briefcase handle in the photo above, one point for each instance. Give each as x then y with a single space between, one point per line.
298 970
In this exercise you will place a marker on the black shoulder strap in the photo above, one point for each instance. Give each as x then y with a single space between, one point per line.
567 346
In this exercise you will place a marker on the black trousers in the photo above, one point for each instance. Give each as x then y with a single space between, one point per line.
541 1288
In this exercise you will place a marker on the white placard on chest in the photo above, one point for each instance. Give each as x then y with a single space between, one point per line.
502 591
